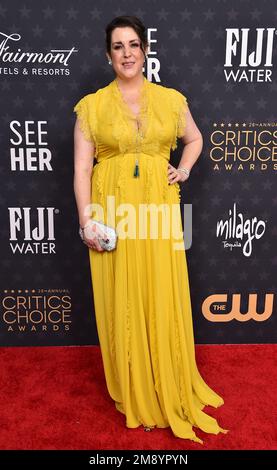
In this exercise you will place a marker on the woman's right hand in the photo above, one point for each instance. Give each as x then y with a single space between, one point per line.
91 234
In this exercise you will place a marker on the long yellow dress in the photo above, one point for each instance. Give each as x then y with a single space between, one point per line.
141 289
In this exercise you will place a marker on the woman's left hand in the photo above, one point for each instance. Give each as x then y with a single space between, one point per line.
174 176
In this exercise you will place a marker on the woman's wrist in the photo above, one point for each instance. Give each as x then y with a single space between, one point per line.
185 170
83 223
184 173
82 228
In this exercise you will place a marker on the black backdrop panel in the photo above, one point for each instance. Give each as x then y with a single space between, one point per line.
222 56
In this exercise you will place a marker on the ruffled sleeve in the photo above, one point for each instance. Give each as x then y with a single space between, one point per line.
82 111
180 108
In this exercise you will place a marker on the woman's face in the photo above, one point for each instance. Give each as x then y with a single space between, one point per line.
126 54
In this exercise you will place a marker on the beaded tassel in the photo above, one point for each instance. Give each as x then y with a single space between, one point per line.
136 172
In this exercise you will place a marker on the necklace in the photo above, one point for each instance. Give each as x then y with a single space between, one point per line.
138 135
140 120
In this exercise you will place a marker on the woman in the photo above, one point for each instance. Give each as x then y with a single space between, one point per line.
141 288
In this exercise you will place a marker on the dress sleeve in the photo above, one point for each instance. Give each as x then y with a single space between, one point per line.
180 108
82 111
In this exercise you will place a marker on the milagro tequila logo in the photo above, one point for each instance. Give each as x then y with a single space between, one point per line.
10 56
243 231
257 62
32 231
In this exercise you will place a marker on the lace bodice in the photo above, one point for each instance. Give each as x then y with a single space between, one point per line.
107 120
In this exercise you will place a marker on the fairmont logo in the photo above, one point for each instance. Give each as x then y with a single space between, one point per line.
242 231
54 56
255 58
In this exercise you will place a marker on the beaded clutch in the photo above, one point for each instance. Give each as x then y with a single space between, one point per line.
109 241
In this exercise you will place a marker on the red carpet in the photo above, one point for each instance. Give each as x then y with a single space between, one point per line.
55 398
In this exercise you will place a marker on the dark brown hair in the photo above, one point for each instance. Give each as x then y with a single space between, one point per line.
123 21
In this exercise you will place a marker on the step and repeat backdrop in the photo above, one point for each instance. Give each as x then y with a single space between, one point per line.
222 56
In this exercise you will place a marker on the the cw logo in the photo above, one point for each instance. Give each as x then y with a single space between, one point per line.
235 313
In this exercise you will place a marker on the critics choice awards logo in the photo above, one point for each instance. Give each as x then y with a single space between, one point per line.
36 310
243 147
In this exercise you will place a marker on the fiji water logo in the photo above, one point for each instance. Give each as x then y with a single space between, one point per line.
239 232
32 230
248 54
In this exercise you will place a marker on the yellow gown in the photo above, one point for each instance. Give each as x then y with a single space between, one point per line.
141 289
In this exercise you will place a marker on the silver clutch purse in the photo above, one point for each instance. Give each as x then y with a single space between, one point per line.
109 242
